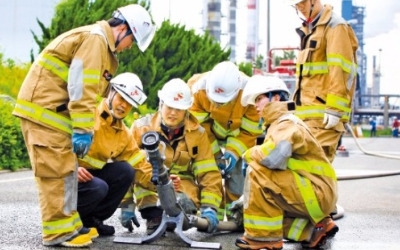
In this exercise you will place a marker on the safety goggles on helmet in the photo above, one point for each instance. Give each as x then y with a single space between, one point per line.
259 84
129 86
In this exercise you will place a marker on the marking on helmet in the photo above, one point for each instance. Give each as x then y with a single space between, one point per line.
178 96
219 90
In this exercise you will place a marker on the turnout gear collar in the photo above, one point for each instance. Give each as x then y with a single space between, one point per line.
273 110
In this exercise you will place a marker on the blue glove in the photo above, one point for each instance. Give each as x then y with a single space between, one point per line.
128 217
244 168
211 216
81 143
232 160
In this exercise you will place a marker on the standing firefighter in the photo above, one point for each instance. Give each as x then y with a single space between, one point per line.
229 125
188 157
290 186
56 104
326 72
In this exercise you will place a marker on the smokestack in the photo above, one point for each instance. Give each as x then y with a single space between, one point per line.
214 19
232 29
252 30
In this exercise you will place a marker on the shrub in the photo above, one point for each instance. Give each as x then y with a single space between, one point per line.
13 153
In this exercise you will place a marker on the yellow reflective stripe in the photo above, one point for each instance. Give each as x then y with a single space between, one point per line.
93 162
176 169
136 158
82 120
66 225
210 198
43 115
215 147
221 214
141 193
236 144
54 65
338 103
267 147
304 112
251 126
338 60
222 132
204 166
200 116
309 197
297 228
262 222
91 76
313 167
315 68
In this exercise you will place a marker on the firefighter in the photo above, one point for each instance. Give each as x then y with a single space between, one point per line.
231 127
290 185
56 104
326 72
188 156
107 171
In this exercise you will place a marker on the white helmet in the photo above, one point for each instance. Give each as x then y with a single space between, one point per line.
176 94
129 86
139 22
223 82
293 2
259 84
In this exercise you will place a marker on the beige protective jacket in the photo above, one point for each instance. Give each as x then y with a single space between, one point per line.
326 68
65 82
112 141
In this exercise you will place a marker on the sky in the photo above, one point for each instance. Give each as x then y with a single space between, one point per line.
381 30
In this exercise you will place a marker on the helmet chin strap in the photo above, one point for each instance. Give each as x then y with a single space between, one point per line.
308 20
127 33
110 99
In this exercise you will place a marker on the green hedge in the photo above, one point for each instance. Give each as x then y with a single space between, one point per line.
13 153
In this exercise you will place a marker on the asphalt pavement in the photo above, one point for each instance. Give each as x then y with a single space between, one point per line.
369 192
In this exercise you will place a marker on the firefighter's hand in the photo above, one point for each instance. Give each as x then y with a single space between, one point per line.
236 209
84 175
81 143
176 181
211 216
330 120
256 154
128 217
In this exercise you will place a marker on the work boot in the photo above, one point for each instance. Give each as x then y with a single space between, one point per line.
92 232
153 224
245 243
79 240
104 230
322 230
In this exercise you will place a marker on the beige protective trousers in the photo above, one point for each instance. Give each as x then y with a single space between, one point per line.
54 166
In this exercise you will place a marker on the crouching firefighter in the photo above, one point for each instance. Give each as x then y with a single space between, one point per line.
188 157
290 186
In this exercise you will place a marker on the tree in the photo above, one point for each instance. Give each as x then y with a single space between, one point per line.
175 51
